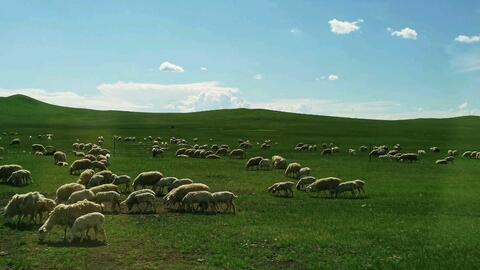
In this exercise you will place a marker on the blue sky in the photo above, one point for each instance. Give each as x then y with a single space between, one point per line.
369 59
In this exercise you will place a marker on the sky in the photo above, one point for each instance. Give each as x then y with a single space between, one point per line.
364 59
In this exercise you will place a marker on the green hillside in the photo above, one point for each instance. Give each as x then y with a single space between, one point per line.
414 215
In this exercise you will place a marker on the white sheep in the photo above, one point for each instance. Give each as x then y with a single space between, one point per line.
85 176
293 169
346 186
265 164
111 197
20 178
84 223
80 165
122 180
131 200
59 156
305 171
224 197
441 161
324 184
147 179
286 187
80 195
104 187
304 182
180 182
203 199
176 195
165 182
64 191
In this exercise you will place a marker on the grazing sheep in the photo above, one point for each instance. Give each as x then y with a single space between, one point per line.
450 159
80 165
182 156
411 157
421 152
80 195
108 175
147 179
62 164
305 171
50 150
15 141
359 184
441 161
222 151
236 153
111 197
7 170
352 152
202 198
44 206
65 215
104 188
176 195
20 178
64 191
179 182
131 199
363 148
140 198
224 197
85 177
434 149
122 180
327 151
466 154
280 164
38 148
346 186
165 182
22 205
265 164
84 223
59 156
98 165
304 182
96 180
286 187
213 156
324 184
292 169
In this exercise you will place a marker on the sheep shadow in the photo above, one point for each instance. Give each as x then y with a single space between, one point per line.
75 243
362 197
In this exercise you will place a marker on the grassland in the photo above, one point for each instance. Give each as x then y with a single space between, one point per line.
415 216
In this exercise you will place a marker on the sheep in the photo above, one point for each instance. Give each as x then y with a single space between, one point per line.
80 195
111 197
324 184
147 179
165 182
22 205
202 198
84 223
363 148
213 156
236 153
107 175
434 149
80 165
131 200
59 156
224 197
441 161
64 191
65 215
286 187
176 195
122 180
466 154
104 187
98 165
96 180
182 156
85 177
265 164
7 170
412 157
280 164
304 182
179 182
327 151
44 205
305 171
38 148
346 186
450 159
359 185
20 178
421 152
222 151
292 169
62 164
15 141
352 152
50 150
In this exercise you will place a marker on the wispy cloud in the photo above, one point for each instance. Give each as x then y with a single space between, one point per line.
467 39
333 77
258 77
295 31
344 27
169 67
204 69
405 33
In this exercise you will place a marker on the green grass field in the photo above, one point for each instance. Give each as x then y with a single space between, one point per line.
415 216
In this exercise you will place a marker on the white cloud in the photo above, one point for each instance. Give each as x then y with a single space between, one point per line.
296 31
344 27
169 67
204 69
258 77
406 33
463 106
465 61
467 39
332 77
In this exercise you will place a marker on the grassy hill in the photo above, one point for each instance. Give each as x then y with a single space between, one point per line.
418 215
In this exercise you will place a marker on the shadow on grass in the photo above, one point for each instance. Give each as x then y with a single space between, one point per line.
22 226
75 243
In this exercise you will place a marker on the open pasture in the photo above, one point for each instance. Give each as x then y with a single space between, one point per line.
413 216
